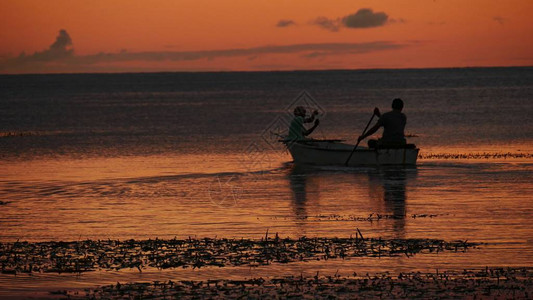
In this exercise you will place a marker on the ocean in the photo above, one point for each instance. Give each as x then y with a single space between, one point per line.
164 155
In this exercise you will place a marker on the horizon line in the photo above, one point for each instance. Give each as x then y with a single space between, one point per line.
267 71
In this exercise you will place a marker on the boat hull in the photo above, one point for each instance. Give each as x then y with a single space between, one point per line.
332 153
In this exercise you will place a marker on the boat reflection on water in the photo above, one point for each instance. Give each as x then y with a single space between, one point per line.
386 187
388 191
304 190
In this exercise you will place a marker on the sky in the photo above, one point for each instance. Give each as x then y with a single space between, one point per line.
65 36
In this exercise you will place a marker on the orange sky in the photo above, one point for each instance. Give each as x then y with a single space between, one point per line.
177 35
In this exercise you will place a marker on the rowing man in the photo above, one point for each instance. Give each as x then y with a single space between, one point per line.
393 123
297 130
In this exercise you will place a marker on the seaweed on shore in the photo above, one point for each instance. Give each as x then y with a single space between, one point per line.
373 217
91 255
498 283
484 155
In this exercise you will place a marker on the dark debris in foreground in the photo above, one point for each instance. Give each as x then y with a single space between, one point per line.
92 255
489 283
373 217
485 155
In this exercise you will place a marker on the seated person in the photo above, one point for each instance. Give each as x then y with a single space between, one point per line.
393 124
297 129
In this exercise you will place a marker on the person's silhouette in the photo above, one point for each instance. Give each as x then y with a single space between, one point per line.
393 123
297 130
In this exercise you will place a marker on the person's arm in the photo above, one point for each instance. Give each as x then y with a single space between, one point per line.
370 132
308 132
375 128
311 118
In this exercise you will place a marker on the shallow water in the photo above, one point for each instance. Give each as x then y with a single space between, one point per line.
89 200
482 201
99 158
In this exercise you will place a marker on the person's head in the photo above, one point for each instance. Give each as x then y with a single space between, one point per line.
397 104
299 111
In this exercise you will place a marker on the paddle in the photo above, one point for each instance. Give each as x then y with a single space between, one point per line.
358 141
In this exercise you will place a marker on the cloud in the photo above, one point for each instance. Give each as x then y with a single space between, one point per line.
63 40
61 57
303 49
363 18
400 20
328 24
285 23
342 49
58 50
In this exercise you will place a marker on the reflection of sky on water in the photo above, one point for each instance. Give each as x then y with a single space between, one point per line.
484 201
480 201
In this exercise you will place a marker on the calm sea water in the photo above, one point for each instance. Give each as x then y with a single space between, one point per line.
97 156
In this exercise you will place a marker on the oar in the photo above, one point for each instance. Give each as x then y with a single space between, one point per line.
358 141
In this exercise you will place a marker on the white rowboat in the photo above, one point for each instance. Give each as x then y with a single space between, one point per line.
332 152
